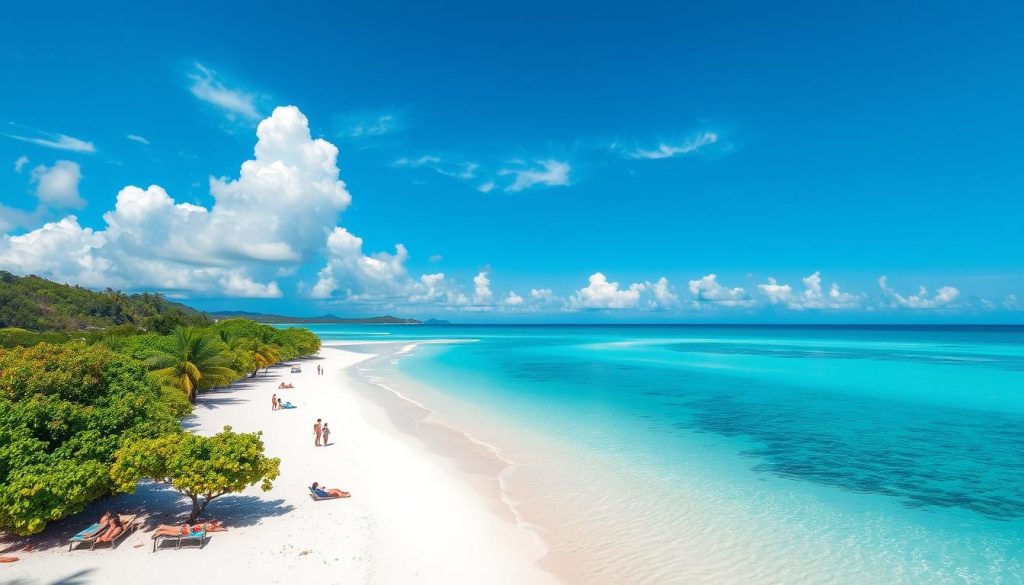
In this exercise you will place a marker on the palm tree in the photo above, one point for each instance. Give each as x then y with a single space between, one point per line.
265 354
194 356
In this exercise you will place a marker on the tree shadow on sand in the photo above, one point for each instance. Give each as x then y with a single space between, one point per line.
81 577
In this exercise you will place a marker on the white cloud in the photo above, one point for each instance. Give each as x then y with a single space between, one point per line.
601 294
707 289
363 125
275 214
665 150
58 141
486 187
776 293
513 300
437 289
482 294
436 258
57 186
236 284
943 297
551 172
234 102
664 296
353 275
20 163
136 138
812 297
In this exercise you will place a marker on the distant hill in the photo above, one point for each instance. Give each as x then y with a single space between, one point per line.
266 318
37 304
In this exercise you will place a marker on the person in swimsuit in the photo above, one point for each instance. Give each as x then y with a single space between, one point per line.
326 433
273 402
318 432
186 529
326 492
114 527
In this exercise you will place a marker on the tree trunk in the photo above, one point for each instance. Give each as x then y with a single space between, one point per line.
197 509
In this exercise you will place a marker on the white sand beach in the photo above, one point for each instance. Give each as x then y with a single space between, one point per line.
414 516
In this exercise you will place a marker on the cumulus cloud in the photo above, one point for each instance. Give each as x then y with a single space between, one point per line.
353 275
707 289
58 141
812 297
482 294
552 173
602 294
137 138
57 186
662 293
513 300
942 298
276 214
665 150
234 102
20 163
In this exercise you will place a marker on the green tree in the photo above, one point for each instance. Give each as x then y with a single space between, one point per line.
64 411
202 468
195 358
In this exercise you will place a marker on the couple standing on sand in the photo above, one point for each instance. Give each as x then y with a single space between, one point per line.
321 431
319 370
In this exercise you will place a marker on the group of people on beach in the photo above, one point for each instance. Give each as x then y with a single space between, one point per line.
321 431
319 370
277 404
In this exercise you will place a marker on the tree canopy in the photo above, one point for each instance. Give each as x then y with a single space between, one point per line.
64 411
202 468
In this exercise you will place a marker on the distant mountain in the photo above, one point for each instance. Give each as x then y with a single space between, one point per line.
37 304
266 318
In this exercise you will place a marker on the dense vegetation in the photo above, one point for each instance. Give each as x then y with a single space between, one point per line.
85 415
37 304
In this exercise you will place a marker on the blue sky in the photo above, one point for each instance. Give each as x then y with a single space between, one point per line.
750 156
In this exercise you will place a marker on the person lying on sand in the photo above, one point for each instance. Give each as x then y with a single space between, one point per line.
282 386
326 492
284 405
114 527
186 529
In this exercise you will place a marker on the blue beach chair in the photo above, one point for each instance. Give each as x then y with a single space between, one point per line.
88 535
191 536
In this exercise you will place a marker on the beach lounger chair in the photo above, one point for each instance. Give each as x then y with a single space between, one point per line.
296 370
178 539
128 521
316 498
88 535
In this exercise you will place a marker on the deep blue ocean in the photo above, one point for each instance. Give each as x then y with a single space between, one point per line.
656 454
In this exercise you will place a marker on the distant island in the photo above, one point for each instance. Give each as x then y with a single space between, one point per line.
269 318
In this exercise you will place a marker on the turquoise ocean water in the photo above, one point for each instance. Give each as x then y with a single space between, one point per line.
684 454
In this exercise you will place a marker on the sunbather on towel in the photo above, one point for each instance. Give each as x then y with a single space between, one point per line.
114 527
326 492
187 529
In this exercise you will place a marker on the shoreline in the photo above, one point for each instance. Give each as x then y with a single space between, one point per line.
414 514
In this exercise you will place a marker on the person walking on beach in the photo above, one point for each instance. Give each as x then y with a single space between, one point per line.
327 434
317 431
273 402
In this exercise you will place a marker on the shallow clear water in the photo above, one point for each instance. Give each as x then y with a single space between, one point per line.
744 454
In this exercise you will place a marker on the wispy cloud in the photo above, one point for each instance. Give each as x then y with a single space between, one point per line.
20 163
235 102
136 138
58 141
551 173
666 150
368 125
455 169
